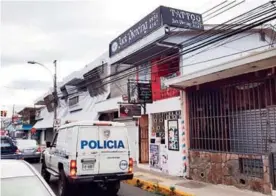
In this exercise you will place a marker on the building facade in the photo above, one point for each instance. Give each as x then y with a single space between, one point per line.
228 96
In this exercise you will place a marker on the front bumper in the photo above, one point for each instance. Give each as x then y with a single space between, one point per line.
101 178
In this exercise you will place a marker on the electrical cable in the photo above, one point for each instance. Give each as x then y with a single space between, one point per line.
186 52
192 49
154 45
151 56
193 55
210 14
118 79
174 34
224 11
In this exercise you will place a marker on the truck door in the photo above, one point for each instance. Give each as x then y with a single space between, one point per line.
53 155
88 161
114 149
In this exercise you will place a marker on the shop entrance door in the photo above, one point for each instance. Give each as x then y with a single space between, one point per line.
144 139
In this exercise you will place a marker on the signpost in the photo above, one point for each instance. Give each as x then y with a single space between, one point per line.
57 123
139 92
159 17
144 92
129 110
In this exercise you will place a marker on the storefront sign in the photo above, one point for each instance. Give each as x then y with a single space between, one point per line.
173 137
154 156
126 110
144 92
57 123
160 16
180 18
144 27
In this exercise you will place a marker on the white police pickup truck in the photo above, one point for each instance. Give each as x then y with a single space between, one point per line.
88 152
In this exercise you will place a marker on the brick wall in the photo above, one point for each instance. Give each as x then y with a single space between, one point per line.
222 168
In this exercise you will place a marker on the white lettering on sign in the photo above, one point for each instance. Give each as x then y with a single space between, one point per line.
145 26
185 15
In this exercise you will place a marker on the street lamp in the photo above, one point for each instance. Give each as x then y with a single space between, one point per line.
55 85
33 63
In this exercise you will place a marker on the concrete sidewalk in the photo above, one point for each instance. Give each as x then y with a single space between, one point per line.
150 180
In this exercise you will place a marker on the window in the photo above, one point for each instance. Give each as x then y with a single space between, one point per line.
5 143
73 101
236 117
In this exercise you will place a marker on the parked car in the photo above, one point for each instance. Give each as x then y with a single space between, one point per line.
29 149
8 149
20 178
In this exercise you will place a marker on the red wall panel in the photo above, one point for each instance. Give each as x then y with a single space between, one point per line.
161 70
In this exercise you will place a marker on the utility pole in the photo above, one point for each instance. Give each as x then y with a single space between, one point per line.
55 95
54 77
13 110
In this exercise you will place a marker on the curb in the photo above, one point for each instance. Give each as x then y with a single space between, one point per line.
154 187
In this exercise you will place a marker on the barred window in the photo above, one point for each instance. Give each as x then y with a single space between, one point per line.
251 167
238 118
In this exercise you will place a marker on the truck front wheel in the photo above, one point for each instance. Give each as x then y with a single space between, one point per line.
63 184
44 173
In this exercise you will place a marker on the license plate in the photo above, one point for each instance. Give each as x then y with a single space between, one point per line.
87 166
28 151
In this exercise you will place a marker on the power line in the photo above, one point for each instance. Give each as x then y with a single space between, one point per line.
174 33
177 55
128 74
196 39
209 60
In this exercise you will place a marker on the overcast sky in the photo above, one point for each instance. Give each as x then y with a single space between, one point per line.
72 32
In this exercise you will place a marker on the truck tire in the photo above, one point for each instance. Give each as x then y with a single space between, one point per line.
44 173
113 188
63 185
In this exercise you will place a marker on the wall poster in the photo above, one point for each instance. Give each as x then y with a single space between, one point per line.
164 159
154 156
173 137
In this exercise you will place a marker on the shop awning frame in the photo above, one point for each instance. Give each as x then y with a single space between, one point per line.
251 63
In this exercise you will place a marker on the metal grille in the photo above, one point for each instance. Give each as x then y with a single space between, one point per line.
252 167
273 169
239 118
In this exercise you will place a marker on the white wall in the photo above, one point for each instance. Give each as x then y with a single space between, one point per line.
42 135
174 158
133 139
165 105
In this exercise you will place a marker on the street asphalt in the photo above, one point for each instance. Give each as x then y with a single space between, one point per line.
126 190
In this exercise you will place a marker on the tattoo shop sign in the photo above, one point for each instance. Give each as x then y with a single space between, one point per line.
159 17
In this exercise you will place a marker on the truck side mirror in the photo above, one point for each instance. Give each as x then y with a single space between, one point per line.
48 144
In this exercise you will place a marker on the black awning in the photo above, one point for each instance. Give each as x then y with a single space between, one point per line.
74 82
149 53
